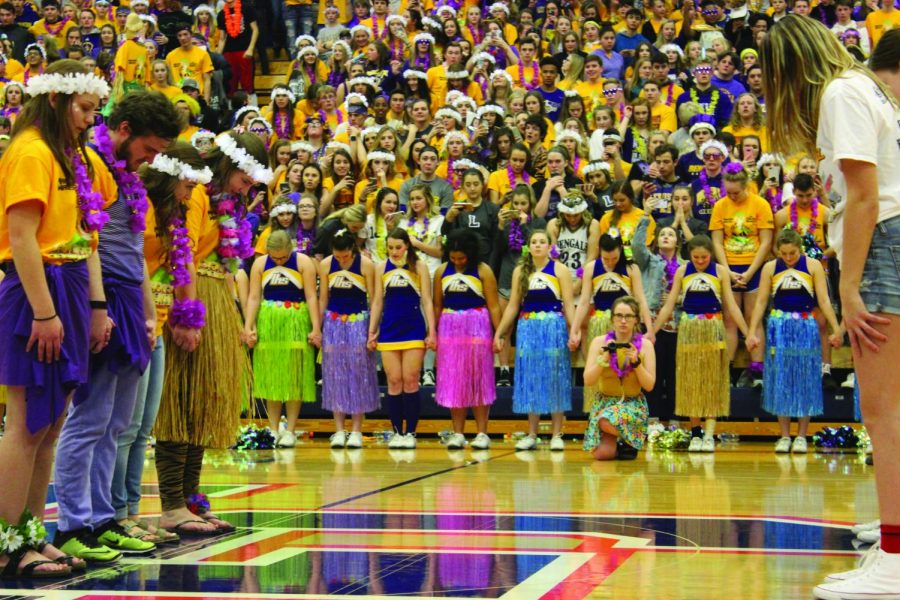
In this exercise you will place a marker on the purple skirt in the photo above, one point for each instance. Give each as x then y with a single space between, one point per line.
47 385
349 381
465 360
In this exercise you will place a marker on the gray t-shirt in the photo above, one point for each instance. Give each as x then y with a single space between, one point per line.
440 189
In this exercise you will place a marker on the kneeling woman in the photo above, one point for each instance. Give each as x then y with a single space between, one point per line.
622 364
282 323
543 377
467 311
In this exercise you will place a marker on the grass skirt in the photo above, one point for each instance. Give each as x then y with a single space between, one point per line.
206 389
628 415
543 376
792 385
284 362
599 324
349 381
702 387
465 360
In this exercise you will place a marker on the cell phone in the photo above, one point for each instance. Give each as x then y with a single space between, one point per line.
284 188
460 205
774 173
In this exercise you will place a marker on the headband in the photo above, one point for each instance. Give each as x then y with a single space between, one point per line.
484 56
203 8
380 155
302 145
176 168
200 135
398 18
69 83
37 47
260 120
597 165
702 125
568 134
283 208
356 28
243 160
307 50
499 6
304 38
456 135
463 99
770 157
428 21
448 112
490 108
284 92
673 47
414 73
244 110
503 74
355 96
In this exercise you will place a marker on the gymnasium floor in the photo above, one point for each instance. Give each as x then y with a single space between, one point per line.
314 523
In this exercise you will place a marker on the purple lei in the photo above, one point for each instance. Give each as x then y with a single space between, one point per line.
423 64
516 235
623 372
411 227
707 189
235 232
305 239
89 202
130 185
795 218
185 312
282 126
671 268
336 78
774 200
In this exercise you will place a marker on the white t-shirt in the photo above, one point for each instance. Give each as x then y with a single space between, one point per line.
858 122
430 236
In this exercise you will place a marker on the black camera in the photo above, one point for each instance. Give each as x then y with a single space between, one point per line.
613 346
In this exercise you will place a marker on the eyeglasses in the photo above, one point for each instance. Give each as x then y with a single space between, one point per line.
621 317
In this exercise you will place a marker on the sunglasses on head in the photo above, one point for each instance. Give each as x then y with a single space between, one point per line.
703 70
612 91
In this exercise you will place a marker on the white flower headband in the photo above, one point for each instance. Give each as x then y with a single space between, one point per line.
448 9
490 108
37 47
69 83
448 112
503 74
283 209
423 37
414 73
308 50
764 159
428 21
261 120
456 135
284 92
464 164
149 18
613 136
380 155
243 160
485 56
343 45
202 134
335 146
13 82
140 2
452 95
356 96
204 8
397 18
674 47
458 74
304 38
356 28
571 94
595 166
370 130
176 168
716 144
244 110
302 145
499 6
465 100
702 125
362 79
568 134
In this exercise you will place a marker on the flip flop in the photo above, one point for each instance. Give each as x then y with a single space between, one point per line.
221 525
65 559
181 530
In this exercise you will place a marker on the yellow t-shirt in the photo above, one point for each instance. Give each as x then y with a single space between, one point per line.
393 183
343 7
60 29
169 91
203 229
498 181
663 117
30 173
879 21
131 61
189 65
14 68
626 226
591 92
741 225
740 133
531 74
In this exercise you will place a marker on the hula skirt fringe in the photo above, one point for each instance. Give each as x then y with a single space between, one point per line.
543 376
465 359
349 381
284 362
206 389
599 324
2 394
628 415
703 385
791 380
47 386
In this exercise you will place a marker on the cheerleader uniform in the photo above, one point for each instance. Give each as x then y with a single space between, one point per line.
349 381
543 381
402 323
465 362
607 286
703 387
792 387
283 360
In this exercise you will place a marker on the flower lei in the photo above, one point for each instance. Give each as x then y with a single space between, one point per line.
305 238
671 268
512 177
28 75
89 202
534 76
814 207
204 30
713 101
622 372
54 31
130 185
669 94
184 312
709 198
234 19
324 117
7 111
336 78
423 63
639 143
775 200
235 232
452 176
411 227
516 239
310 70
376 35
30 532
396 54
476 33
282 126
576 163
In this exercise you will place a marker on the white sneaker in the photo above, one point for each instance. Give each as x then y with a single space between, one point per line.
696 445
709 444
481 442
879 579
428 378
354 440
529 442
799 445
287 439
338 439
396 442
457 441
409 441
783 445
557 443
857 529
850 382
872 536
864 562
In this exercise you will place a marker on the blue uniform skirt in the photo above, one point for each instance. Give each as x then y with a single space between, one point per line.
543 376
792 384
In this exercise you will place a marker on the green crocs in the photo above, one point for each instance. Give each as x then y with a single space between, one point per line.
85 546
115 537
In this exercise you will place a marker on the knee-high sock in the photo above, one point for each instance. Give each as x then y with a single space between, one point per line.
395 411
411 407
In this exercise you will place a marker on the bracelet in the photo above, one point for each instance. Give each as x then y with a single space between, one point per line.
353 138
45 318
636 363
98 304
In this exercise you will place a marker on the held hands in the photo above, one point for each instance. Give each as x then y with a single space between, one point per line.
498 344
250 337
574 340
315 338
150 328
836 339
430 342
752 343
372 343
185 338
101 330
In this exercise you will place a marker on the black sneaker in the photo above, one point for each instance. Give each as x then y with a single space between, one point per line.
504 380
829 383
625 451
745 380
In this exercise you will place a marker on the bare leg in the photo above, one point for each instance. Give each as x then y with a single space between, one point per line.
534 420
357 420
43 469
557 420
273 411
481 417
339 420
802 426
607 448
785 424
458 415
292 410
731 331
503 356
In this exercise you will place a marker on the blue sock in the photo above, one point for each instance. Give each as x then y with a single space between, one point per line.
395 411
411 407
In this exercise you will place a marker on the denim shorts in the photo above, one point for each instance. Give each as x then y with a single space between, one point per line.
880 286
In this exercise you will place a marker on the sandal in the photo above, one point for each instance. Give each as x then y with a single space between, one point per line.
181 530
29 571
73 562
164 536
199 505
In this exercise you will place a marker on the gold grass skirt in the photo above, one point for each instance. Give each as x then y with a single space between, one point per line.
703 386
205 390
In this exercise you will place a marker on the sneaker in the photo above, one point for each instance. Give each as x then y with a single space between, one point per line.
504 379
745 380
354 440
113 536
557 443
457 441
829 383
338 439
84 545
872 536
409 441
428 378
625 451
708 445
870 460
696 445
850 382
481 442
860 527
287 439
529 442
799 445
864 562
396 442
880 578
783 445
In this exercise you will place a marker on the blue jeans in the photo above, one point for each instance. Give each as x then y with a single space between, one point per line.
880 285
132 443
300 19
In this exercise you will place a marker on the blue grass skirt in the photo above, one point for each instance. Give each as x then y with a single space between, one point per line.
792 384
349 381
543 376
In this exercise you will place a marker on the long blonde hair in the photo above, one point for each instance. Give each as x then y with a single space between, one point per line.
526 263
794 95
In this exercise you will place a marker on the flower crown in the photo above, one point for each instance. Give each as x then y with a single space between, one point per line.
380 155
362 79
37 47
263 121
500 6
356 28
176 168
490 108
203 134
448 112
343 45
423 37
283 208
734 168
244 110
243 160
304 38
334 146
429 22
486 56
568 134
463 99
69 83
714 144
764 159
284 92
374 129
456 135
204 8
398 18
301 145
503 74
597 165
446 8
414 73
361 98
673 47
307 50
